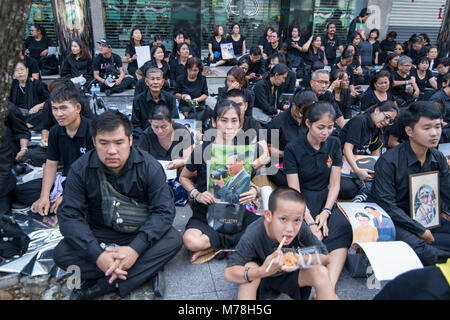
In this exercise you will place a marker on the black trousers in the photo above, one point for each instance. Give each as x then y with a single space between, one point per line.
427 253
146 266
126 84
422 284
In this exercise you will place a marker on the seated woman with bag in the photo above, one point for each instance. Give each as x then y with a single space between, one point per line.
168 141
200 237
192 91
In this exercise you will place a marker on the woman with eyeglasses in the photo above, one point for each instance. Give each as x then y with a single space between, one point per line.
404 87
192 91
363 135
378 91
37 43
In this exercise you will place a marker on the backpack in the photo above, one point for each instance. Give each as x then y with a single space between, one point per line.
13 241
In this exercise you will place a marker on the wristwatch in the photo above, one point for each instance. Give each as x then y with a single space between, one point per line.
191 193
327 210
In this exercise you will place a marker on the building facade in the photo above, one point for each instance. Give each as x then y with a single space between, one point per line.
114 19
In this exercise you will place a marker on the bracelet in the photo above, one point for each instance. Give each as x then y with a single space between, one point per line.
246 275
195 197
22 149
255 187
312 224
327 210
191 193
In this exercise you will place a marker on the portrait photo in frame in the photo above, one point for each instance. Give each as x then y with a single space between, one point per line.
424 198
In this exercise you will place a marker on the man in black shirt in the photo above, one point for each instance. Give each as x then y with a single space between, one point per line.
67 141
330 44
320 81
108 70
147 100
391 189
117 214
255 64
417 50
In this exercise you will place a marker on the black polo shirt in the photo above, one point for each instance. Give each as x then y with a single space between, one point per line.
144 103
149 142
289 129
390 188
66 150
328 96
362 133
312 166
80 215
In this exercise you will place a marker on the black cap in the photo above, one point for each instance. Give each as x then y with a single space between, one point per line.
105 42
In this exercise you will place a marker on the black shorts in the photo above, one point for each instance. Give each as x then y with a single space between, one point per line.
286 283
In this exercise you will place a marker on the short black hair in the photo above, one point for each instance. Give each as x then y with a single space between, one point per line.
255 51
284 193
161 112
65 90
236 93
364 12
419 109
444 61
109 121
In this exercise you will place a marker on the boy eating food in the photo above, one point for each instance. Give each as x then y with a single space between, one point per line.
257 263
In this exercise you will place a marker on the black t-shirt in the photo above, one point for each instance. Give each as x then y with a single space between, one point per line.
270 50
328 96
66 150
376 47
102 64
369 99
293 51
311 57
416 55
399 91
387 45
36 47
362 133
237 45
149 142
425 82
312 166
349 71
331 45
194 89
289 129
216 45
255 245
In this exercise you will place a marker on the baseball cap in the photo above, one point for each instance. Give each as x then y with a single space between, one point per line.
105 42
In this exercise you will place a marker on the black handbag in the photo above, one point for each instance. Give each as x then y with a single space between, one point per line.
13 241
226 217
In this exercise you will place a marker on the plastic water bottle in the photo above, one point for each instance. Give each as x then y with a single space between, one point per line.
93 89
212 66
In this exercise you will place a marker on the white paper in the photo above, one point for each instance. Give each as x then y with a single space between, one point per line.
143 55
390 258
265 194
170 174
52 50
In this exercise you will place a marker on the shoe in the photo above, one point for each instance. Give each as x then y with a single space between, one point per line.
108 92
361 197
159 284
98 289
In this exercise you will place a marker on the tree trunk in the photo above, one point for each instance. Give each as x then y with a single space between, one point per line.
13 19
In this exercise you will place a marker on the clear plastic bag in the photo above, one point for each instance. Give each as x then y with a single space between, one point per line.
301 258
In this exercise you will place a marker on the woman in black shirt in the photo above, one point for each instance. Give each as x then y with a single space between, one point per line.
295 46
199 237
376 47
355 66
423 75
192 91
387 46
378 91
314 52
78 62
130 51
167 141
177 66
404 88
399 48
236 80
29 95
238 41
312 163
267 90
391 64
362 135
215 51
37 44
340 87
265 40
272 46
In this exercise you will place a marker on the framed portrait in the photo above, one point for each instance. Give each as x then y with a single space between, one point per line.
424 198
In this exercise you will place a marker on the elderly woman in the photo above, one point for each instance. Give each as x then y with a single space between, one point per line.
404 88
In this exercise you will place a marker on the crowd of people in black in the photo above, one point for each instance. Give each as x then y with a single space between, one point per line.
115 208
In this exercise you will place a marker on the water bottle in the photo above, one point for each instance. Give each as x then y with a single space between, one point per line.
212 66
93 89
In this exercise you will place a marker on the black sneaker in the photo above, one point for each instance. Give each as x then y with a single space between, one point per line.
98 289
108 92
158 284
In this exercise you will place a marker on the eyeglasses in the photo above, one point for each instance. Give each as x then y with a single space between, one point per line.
388 118
322 82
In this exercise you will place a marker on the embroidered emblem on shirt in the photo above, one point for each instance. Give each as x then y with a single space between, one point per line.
329 162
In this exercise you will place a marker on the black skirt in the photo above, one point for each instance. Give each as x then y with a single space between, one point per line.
339 229
218 240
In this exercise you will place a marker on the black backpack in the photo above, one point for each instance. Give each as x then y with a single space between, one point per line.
13 241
